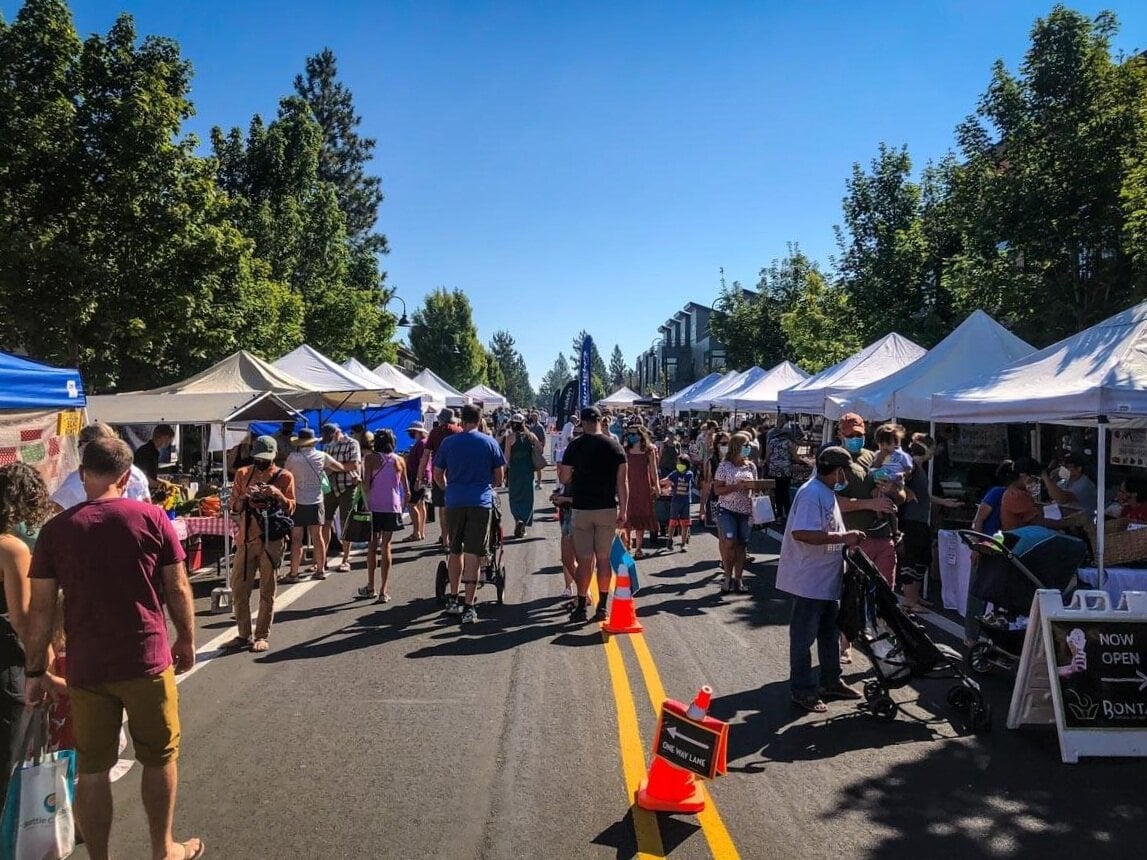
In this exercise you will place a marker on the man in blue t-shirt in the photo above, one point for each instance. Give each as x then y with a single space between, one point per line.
468 466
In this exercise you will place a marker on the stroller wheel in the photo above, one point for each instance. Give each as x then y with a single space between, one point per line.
981 717
980 658
872 691
500 583
885 708
961 699
441 580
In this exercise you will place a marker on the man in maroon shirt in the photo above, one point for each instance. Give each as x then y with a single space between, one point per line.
445 427
118 563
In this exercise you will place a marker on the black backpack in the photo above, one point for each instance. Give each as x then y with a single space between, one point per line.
277 523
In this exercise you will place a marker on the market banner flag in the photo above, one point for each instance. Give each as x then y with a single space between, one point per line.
567 402
619 557
583 376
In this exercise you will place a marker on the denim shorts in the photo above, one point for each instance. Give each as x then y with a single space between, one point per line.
734 527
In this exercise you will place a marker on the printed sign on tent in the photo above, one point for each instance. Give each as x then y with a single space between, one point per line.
1129 447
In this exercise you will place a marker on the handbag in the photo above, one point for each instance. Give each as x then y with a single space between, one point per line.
538 457
359 525
38 821
763 513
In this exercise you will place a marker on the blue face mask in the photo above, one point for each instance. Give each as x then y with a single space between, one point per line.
746 451
854 445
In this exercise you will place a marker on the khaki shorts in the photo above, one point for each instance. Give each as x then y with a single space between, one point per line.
152 706
469 530
593 531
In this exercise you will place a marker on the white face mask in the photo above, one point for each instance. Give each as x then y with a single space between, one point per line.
1064 473
723 450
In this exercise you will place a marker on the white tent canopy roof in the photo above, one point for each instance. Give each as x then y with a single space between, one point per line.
875 361
488 397
357 368
437 386
760 395
1101 371
318 371
672 405
399 381
707 399
978 346
141 407
621 398
238 372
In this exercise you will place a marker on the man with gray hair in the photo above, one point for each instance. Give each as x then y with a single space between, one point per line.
119 565
445 428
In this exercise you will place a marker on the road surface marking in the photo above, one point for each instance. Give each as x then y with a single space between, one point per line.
712 825
632 752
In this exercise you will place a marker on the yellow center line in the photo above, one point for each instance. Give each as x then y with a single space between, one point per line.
632 752
712 825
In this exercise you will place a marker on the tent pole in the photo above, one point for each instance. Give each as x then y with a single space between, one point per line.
225 498
931 484
1101 474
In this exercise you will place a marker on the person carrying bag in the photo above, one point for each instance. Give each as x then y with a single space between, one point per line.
38 821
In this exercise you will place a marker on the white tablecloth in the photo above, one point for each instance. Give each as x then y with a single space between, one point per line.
1119 580
955 571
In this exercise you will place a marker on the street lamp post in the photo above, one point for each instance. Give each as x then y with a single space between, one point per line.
404 320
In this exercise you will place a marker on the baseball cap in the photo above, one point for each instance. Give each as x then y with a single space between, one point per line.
591 413
850 422
331 427
265 448
832 457
517 418
306 437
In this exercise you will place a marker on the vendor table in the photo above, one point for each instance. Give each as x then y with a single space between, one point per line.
955 570
1119 580
188 527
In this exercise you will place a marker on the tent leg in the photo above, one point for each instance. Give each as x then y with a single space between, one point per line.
225 497
1101 474
931 484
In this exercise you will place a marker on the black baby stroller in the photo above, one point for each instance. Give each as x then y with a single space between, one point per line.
492 568
898 647
1007 575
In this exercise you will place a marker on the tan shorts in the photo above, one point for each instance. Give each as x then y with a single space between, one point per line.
593 531
152 706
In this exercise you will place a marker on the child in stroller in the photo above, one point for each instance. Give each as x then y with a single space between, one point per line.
898 647
1006 573
492 570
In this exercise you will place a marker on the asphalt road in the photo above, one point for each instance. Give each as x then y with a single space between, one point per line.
392 732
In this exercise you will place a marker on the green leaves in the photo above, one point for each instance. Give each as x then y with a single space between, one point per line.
443 337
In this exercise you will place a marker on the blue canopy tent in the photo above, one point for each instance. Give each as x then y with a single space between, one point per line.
26 384
396 417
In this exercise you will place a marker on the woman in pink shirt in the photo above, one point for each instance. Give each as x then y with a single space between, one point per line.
385 488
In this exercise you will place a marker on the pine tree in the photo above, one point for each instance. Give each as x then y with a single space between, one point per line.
617 369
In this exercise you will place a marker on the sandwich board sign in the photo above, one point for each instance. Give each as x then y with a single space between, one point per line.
1084 668
697 746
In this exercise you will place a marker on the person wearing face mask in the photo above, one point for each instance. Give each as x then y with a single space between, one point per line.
732 484
1070 487
518 447
641 472
717 452
681 484
810 569
914 523
1018 507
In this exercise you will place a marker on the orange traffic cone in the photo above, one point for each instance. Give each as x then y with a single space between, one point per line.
668 788
699 709
622 611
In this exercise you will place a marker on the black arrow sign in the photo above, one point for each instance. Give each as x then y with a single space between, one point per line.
682 742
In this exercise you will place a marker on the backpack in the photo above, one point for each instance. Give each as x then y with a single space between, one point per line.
277 524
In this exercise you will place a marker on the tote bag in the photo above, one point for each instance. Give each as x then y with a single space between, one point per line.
763 513
38 821
358 525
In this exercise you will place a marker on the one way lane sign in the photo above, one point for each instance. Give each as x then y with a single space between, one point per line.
696 747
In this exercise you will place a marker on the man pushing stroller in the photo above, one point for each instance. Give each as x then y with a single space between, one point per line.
810 569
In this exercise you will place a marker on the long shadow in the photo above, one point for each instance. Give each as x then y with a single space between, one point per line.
514 626
622 836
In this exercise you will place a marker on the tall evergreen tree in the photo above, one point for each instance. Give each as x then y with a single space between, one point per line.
516 380
617 369
444 338
554 381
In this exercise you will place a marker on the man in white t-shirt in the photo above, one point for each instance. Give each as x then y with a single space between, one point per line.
308 467
71 492
810 569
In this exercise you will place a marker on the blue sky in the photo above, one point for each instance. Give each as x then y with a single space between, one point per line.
593 164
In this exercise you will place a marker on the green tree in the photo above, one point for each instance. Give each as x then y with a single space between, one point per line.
748 323
443 337
494 377
816 324
554 381
1052 183
617 368
516 380
117 253
344 154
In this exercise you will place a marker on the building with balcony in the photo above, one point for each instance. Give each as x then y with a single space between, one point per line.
684 352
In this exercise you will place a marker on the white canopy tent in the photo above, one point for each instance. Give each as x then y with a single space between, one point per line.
1095 378
875 361
761 395
440 388
141 407
488 397
622 398
669 404
318 371
705 400
978 346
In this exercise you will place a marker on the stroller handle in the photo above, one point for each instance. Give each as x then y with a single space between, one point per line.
979 541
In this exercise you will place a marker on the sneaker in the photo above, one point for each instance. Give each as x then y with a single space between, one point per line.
840 691
578 615
601 614
453 607
567 591
470 615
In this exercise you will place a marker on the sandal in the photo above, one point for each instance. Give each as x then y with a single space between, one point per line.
846 656
365 593
344 567
259 646
383 598
319 574
188 854
289 579
811 703
236 644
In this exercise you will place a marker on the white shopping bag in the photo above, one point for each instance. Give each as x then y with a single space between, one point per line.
763 510
38 823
